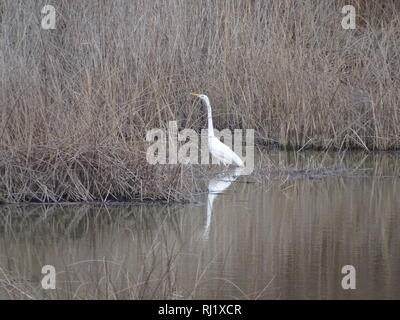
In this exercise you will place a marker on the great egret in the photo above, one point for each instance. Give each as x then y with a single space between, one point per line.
219 150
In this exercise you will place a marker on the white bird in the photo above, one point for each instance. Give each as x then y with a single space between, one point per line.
219 150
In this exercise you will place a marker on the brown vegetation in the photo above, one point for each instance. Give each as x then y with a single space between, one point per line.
76 101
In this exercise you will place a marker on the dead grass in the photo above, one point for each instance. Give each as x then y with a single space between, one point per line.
76 101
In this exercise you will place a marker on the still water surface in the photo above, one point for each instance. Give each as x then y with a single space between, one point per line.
262 238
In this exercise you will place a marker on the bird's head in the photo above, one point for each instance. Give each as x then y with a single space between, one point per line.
203 97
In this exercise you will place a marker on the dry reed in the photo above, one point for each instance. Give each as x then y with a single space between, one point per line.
76 101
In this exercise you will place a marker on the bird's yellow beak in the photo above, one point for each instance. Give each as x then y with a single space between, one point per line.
195 94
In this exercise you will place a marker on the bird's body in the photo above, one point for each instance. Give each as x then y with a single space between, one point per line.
223 153
219 150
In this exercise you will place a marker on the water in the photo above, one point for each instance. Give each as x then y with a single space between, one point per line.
263 238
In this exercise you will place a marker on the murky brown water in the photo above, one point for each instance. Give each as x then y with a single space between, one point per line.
264 240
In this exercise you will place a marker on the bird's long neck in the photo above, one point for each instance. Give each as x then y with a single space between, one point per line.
210 122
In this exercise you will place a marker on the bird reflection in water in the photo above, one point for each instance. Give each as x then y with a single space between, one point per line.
217 186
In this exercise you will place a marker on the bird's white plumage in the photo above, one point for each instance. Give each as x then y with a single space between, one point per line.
219 150
223 153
